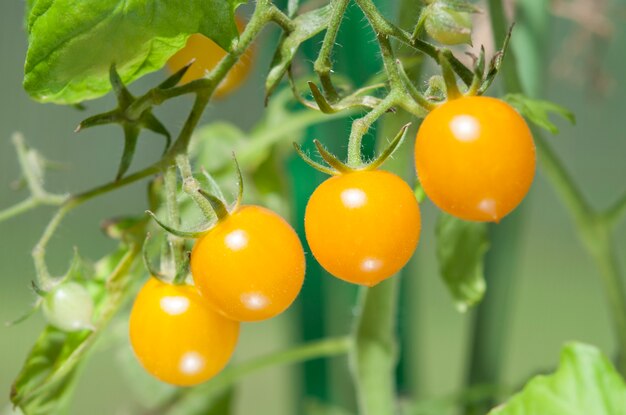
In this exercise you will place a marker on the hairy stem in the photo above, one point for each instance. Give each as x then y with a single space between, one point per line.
361 126
323 64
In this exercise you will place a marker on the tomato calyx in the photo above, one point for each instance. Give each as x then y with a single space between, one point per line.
217 202
336 167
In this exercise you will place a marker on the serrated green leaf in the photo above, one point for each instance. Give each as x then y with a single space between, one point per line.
538 111
461 247
585 383
72 43
307 25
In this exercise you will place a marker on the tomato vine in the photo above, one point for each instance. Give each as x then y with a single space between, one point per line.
372 345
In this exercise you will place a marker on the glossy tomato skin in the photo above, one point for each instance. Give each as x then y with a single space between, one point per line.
177 337
250 266
475 158
363 227
207 55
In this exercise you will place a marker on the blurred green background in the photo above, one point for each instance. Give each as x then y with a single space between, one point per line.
558 296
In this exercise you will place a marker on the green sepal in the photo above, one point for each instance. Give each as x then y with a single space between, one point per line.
317 166
218 205
496 62
177 232
331 159
389 149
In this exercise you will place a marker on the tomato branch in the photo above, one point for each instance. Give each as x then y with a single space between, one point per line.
323 65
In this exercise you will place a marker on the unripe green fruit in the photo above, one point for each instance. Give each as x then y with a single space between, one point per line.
69 307
447 26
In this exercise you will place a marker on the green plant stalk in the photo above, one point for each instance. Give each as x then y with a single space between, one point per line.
593 228
323 64
490 332
374 353
173 215
231 375
38 195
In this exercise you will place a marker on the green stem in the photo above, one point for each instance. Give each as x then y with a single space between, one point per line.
45 280
492 320
192 188
231 375
382 26
29 204
323 64
176 244
33 180
361 126
374 354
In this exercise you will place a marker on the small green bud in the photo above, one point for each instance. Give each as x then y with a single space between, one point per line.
448 25
69 307
436 88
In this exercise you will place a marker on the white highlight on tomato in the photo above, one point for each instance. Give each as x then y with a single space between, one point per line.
236 240
254 301
191 363
488 206
174 305
371 264
465 128
353 198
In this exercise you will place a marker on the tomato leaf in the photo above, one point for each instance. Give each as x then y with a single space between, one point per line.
585 383
307 25
461 247
72 43
538 111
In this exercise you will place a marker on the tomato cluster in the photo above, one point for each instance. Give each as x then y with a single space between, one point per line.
248 267
474 157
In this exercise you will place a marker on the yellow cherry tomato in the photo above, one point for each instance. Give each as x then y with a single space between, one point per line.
207 55
475 158
250 266
363 227
177 337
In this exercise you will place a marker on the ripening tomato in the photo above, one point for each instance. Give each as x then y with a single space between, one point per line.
250 266
363 227
207 55
177 337
475 158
